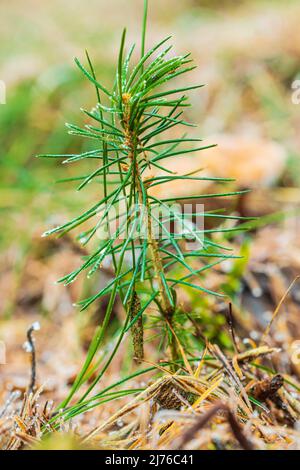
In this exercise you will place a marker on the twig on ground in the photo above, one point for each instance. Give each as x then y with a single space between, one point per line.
236 428
230 322
29 346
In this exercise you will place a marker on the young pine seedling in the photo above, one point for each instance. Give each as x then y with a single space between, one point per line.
131 128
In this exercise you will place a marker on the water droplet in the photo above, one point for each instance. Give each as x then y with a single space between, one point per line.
36 326
27 347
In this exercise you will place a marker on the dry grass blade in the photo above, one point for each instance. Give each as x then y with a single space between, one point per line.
276 311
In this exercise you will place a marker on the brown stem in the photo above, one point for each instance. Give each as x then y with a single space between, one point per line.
167 308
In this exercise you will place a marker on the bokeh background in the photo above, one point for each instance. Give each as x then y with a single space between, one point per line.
248 55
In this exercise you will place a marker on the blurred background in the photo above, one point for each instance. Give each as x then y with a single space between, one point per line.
248 55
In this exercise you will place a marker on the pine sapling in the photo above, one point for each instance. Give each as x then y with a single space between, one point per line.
127 127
